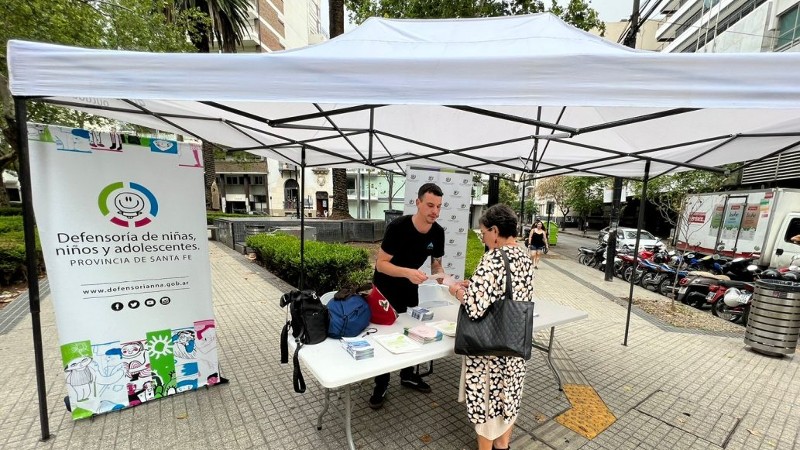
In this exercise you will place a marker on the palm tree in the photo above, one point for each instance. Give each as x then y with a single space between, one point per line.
340 209
227 23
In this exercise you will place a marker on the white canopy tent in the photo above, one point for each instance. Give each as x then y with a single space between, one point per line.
463 93
476 94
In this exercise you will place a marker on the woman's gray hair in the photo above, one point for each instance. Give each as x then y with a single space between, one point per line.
502 217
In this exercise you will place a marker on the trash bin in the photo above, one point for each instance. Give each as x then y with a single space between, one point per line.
552 233
391 214
773 326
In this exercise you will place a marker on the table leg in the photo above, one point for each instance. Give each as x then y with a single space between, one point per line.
324 408
347 412
550 360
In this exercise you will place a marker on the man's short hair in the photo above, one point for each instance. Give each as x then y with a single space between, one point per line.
429 187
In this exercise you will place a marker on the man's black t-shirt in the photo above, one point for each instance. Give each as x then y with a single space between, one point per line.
409 248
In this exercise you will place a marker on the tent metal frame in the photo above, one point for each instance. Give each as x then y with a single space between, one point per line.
391 163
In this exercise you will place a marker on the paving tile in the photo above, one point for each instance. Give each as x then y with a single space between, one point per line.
663 371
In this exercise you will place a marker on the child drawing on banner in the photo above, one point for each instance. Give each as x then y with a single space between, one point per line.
79 378
190 156
186 367
110 377
206 354
134 359
137 369
114 139
70 139
184 343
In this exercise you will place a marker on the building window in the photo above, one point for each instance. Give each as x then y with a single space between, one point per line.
258 179
788 28
229 180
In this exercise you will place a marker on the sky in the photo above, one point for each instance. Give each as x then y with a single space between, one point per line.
609 10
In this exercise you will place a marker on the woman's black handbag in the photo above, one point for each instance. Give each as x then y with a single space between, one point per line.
506 328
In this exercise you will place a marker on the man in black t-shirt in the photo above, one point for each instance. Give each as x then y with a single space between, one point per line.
407 243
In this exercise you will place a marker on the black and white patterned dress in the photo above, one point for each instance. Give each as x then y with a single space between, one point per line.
492 385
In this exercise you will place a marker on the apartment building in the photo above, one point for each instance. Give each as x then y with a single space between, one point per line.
725 26
264 186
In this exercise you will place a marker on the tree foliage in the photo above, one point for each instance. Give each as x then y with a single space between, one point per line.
575 12
668 192
555 188
584 194
113 24
508 194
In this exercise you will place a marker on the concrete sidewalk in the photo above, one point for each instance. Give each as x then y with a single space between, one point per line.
669 388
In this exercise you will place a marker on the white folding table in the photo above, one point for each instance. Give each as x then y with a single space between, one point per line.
334 368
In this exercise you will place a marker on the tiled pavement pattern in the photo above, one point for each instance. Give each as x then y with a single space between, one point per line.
744 400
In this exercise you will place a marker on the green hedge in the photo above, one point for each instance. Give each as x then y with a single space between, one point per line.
211 215
12 256
475 250
328 267
11 211
10 223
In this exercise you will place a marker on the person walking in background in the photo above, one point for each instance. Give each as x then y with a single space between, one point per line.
538 242
492 385
407 243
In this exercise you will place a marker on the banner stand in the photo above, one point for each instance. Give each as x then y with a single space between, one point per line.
31 262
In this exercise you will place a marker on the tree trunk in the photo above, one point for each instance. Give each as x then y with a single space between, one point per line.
340 208
210 168
336 17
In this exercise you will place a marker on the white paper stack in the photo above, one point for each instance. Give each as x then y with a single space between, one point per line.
397 343
447 327
424 334
358 348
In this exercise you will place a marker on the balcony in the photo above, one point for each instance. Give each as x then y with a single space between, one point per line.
684 19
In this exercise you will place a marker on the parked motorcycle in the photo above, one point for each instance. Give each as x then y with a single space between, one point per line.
592 257
734 305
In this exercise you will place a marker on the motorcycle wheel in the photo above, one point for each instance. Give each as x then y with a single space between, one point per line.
626 274
665 288
581 259
647 279
725 312
588 261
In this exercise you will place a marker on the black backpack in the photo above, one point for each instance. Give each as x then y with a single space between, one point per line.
309 324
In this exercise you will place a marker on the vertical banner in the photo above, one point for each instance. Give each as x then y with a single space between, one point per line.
454 218
121 221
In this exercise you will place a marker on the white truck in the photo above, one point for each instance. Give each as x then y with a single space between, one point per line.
759 223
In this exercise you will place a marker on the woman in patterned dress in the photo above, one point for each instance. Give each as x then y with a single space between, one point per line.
492 385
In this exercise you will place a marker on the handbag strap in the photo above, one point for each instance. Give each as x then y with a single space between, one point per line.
509 292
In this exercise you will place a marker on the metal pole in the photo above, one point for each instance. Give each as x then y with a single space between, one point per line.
522 210
302 216
31 263
616 193
636 247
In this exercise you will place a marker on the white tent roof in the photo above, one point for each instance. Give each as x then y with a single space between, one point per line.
466 93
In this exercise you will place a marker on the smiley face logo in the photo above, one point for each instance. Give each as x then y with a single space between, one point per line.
127 204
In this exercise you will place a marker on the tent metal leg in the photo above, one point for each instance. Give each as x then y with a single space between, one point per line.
300 201
31 262
347 412
642 203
